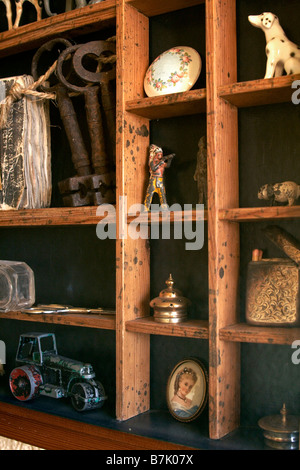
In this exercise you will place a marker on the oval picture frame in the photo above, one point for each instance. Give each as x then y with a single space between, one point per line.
187 390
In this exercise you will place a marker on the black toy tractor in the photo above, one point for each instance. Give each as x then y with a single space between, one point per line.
41 371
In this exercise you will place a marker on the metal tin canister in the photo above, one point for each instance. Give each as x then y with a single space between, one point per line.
170 306
272 294
281 431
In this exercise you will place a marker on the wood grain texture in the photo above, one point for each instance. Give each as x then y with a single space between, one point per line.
132 256
223 237
55 433
158 7
259 92
176 104
54 216
168 216
89 321
258 214
188 329
72 23
252 334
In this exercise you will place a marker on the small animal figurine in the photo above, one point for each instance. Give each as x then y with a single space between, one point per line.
282 54
287 191
19 10
200 175
157 165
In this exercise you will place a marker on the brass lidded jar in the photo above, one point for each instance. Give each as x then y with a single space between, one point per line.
281 431
170 306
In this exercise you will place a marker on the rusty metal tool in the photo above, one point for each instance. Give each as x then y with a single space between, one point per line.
104 51
100 161
79 153
100 185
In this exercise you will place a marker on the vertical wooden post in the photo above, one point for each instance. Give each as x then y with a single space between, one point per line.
132 256
223 192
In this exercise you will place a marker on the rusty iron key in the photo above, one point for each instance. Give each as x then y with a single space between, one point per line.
80 155
100 160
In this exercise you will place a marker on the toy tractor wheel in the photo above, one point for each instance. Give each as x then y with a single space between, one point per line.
24 382
86 395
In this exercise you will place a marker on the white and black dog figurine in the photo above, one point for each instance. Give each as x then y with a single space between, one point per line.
282 54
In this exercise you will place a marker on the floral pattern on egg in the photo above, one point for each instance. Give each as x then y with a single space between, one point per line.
173 71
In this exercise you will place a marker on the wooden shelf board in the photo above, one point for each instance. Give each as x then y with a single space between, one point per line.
159 217
259 214
58 433
243 332
52 217
87 216
105 322
158 7
259 92
72 23
188 329
173 105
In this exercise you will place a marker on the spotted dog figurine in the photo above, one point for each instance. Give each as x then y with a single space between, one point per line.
280 192
157 165
282 54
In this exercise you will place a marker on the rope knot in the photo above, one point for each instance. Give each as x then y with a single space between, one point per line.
16 91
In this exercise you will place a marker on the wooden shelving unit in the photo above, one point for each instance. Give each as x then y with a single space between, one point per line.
244 333
190 328
252 214
259 92
133 324
73 23
53 217
103 322
177 104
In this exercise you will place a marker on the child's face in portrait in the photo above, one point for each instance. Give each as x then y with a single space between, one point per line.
186 384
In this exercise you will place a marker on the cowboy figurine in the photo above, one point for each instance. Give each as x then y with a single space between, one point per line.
157 165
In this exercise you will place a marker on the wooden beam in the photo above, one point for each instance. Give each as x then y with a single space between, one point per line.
242 332
176 104
51 432
132 256
259 92
223 237
158 7
72 23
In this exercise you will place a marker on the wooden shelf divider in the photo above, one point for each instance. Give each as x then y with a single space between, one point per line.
259 214
104 322
167 106
73 23
158 7
188 329
54 216
243 332
259 92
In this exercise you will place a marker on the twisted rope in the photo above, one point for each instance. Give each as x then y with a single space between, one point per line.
17 91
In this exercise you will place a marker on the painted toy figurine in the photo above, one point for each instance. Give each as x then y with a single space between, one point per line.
282 54
286 192
157 165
